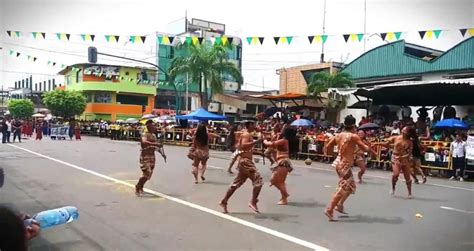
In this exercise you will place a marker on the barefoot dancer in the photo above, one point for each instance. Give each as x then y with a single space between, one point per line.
401 158
234 138
200 152
283 163
270 153
346 142
360 156
246 168
417 155
147 156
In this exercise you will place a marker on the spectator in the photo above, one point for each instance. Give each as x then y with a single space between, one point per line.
406 112
13 233
449 112
437 112
458 150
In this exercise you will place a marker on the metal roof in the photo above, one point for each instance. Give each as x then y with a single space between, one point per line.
400 58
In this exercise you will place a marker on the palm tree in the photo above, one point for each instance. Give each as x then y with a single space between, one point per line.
206 64
322 81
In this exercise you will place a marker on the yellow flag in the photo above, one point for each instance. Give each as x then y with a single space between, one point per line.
224 40
254 40
353 37
166 40
318 39
390 36
429 34
470 31
283 40
195 40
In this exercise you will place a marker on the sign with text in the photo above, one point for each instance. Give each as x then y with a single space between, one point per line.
470 148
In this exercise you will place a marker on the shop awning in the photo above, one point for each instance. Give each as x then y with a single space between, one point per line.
419 93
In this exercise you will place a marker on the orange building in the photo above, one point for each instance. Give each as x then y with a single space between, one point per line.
112 92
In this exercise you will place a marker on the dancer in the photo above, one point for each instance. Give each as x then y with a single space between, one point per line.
39 130
346 142
234 138
246 168
360 160
283 163
270 153
417 155
200 153
147 155
401 158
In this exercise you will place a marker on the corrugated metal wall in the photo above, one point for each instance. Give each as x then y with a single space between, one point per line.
390 60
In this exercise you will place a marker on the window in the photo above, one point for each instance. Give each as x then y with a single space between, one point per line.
102 98
68 80
79 76
88 96
132 99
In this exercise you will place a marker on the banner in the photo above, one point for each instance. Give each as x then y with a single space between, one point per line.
470 148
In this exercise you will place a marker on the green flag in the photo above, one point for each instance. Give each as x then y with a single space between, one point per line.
324 38
437 32
398 35
360 37
288 39
249 40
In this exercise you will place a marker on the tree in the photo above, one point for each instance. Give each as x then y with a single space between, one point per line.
206 64
66 104
21 108
322 81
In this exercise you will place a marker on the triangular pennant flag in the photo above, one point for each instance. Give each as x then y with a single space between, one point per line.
283 40
200 39
383 35
18 33
83 36
398 35
277 39
143 39
346 37
422 34
224 40
324 38
471 31
62 65
9 33
116 38
353 37
58 35
171 38
131 39
18 54
463 31
289 39
166 40
11 52
230 40
437 33
107 37
49 62
213 40
429 34
34 59
67 36
249 40
390 36
29 57
218 40
310 39
182 40
189 40
318 39
261 39
160 39
360 37
92 37
195 40
54 63
254 40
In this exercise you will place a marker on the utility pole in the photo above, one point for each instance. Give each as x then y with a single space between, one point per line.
324 32
365 21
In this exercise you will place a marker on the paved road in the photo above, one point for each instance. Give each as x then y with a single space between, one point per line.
96 176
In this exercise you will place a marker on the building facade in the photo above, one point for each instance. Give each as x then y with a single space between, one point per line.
112 92
188 91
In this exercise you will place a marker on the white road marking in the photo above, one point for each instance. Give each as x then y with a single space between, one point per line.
457 210
189 204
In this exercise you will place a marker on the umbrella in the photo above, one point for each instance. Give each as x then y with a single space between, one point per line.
451 123
149 116
119 121
302 122
369 126
38 115
131 120
202 115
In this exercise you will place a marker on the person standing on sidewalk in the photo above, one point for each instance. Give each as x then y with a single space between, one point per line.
458 150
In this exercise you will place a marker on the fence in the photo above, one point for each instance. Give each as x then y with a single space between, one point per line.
437 153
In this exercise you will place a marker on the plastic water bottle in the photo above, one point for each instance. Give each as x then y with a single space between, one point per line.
56 216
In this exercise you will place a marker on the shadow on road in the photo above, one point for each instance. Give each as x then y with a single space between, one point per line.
370 219
266 216
305 204
218 183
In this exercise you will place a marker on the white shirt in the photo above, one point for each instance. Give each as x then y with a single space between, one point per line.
396 131
9 126
458 149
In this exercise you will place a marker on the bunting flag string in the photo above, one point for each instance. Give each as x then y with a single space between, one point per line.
317 39
31 58
112 38
14 33
63 36
87 37
38 35
428 34
137 39
391 36
469 31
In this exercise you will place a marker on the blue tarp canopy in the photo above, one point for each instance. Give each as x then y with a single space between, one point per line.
202 115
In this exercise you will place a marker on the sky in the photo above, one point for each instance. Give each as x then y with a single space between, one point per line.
243 18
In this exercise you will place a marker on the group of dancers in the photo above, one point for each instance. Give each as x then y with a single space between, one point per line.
351 148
